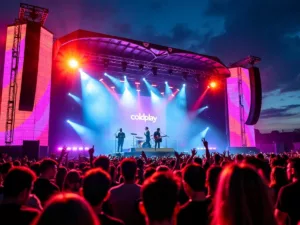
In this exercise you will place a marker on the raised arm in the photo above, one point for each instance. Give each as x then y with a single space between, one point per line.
193 153
91 153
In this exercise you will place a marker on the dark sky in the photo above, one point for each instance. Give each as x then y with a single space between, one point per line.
229 29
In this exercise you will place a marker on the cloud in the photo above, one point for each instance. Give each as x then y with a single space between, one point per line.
280 112
260 28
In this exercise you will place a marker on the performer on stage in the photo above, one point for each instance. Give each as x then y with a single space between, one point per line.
120 136
157 138
147 142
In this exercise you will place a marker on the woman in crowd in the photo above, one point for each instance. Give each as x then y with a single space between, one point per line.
242 198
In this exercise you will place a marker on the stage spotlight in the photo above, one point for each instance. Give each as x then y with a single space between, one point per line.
141 67
144 79
154 71
212 84
183 85
69 94
125 77
68 121
73 63
105 74
138 90
177 89
101 80
162 93
166 82
124 66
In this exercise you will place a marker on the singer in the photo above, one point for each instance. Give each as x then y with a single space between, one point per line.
120 136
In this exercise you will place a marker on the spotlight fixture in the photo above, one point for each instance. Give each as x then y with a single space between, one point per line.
101 79
213 84
73 63
154 85
124 66
166 82
183 85
125 77
141 67
144 79
154 71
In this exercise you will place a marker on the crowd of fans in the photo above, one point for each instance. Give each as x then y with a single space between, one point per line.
217 189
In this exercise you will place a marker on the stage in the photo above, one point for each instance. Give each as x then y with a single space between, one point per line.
89 85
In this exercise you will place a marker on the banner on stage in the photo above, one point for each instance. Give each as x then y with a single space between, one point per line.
144 117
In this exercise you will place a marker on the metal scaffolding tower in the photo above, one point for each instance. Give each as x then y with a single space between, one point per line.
12 93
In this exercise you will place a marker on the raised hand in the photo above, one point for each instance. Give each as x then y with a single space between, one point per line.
91 151
194 152
205 143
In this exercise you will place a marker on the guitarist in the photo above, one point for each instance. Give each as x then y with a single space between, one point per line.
157 138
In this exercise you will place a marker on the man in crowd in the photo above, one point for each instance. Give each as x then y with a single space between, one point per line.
96 184
287 205
160 199
17 188
43 187
124 197
195 211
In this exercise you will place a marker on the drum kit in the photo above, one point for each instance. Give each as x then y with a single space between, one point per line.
139 142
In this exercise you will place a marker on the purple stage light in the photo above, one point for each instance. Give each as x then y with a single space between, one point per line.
74 148
69 148
60 148
86 148
80 148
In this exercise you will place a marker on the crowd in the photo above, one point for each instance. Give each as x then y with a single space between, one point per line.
217 189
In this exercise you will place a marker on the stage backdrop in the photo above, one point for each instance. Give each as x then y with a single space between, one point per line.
86 112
